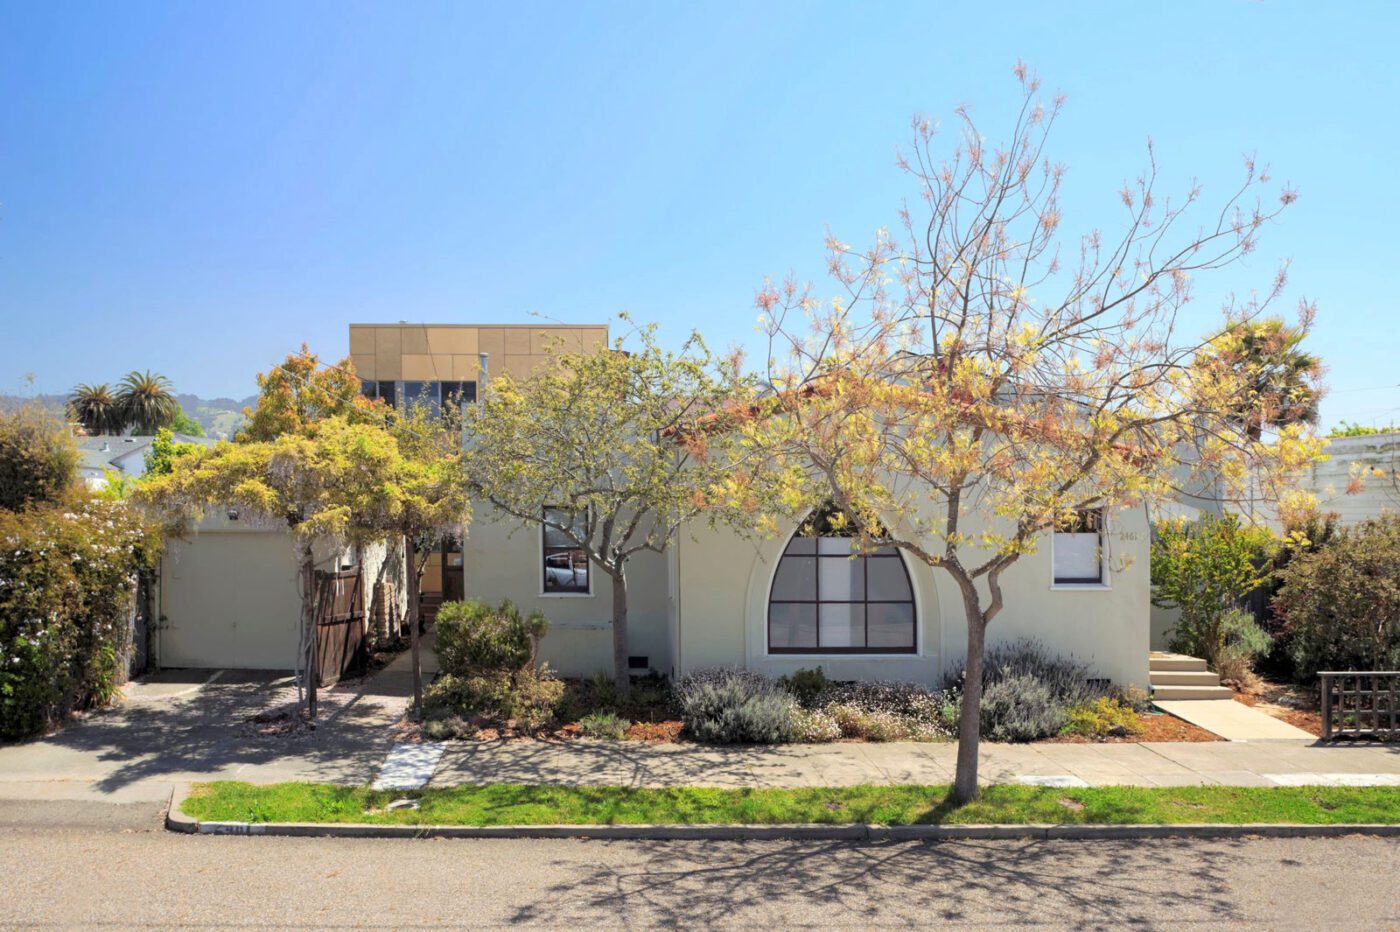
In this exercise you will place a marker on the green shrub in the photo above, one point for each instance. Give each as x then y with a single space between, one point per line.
38 458
1102 718
605 725
1021 708
1340 604
525 699
67 579
1204 569
806 686
472 636
736 707
1242 641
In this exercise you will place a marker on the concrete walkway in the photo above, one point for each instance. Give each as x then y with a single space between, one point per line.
580 763
1233 721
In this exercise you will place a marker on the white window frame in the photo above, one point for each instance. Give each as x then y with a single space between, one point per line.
539 554
1105 577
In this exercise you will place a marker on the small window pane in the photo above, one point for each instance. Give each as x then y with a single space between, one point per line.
796 579
842 579
565 563
792 625
835 545
890 625
802 545
841 626
413 393
388 393
886 580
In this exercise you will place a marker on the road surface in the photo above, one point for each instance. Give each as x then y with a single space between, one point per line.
95 865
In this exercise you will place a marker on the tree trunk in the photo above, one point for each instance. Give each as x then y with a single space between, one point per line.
970 719
413 614
308 625
622 681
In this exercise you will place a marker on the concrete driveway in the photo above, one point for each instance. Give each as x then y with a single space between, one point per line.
179 726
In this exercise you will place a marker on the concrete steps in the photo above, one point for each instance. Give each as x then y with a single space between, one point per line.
1176 676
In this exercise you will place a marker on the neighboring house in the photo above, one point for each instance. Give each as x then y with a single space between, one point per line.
1358 479
125 455
719 599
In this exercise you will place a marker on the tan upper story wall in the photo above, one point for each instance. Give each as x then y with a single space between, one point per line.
451 352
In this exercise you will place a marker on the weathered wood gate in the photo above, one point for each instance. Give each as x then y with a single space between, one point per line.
340 625
1359 704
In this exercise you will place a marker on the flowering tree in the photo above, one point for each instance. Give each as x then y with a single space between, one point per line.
970 388
606 452
333 481
314 456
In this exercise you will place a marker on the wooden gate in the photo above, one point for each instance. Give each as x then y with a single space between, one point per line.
1359 704
340 625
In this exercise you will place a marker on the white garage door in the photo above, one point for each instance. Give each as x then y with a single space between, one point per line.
230 600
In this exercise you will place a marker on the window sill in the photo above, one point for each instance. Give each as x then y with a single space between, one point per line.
1081 587
566 595
847 655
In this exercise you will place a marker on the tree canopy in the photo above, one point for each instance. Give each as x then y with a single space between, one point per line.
969 388
617 444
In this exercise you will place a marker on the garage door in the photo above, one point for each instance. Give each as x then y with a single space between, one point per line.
230 600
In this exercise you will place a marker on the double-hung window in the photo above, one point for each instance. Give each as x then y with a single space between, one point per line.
1078 549
565 569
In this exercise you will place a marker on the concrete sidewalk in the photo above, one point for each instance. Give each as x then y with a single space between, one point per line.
580 763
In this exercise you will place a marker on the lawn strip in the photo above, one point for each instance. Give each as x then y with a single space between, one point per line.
510 804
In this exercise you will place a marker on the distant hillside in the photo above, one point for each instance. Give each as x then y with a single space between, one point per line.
219 417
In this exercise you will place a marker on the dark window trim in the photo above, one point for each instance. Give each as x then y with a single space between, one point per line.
913 647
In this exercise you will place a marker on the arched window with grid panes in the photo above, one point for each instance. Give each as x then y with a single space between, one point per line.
827 598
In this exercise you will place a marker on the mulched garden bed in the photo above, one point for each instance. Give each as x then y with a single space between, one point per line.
1156 727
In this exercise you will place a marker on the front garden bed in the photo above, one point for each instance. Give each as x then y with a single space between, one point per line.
509 804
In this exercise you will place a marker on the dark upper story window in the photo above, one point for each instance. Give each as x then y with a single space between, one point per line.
384 391
438 396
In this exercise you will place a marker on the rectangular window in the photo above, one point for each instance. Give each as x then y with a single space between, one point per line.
1077 549
565 563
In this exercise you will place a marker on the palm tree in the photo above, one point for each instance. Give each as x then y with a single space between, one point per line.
1283 381
97 409
147 402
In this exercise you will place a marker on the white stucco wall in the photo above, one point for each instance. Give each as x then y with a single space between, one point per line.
722 596
230 595
503 560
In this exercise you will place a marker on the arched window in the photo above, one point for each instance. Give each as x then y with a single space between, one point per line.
826 601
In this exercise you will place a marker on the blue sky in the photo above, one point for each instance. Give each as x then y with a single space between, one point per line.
196 188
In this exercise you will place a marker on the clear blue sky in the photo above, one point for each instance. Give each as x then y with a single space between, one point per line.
198 187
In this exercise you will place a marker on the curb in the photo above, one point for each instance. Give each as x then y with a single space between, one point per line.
177 821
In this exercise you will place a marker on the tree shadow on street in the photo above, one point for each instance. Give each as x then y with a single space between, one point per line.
1092 884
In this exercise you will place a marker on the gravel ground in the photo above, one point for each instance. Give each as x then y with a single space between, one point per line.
94 865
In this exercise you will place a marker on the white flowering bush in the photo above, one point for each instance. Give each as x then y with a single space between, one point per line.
68 572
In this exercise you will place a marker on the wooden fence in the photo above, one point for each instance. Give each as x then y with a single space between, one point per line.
1359 704
340 625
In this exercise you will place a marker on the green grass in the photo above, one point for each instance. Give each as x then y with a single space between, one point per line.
508 804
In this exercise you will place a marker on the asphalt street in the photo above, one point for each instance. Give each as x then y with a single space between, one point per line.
86 865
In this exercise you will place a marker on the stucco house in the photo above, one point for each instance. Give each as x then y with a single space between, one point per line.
715 598
720 598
